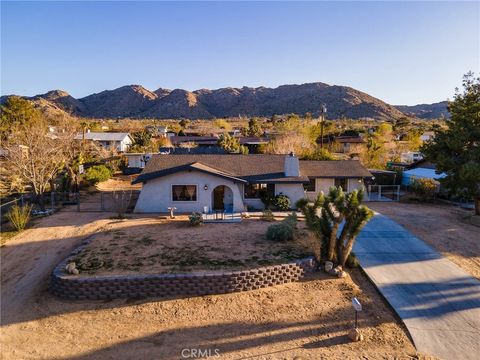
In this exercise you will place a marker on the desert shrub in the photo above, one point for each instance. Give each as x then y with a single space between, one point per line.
195 219
424 189
283 231
280 232
19 216
267 215
97 173
282 202
301 203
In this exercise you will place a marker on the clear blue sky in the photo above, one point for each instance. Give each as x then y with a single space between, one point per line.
403 53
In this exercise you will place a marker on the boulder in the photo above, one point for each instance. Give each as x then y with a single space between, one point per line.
71 268
328 266
355 335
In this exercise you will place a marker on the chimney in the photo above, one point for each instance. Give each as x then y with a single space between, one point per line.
292 165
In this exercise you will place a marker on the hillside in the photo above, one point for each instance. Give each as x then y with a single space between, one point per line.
426 111
134 101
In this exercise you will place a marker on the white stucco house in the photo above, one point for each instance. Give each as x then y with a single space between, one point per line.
236 183
118 141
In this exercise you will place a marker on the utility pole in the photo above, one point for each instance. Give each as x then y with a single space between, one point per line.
323 111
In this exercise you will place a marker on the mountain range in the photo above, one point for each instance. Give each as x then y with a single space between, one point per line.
135 101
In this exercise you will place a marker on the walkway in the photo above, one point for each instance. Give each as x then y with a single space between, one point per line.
438 302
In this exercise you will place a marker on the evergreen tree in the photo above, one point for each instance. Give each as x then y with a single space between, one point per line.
456 150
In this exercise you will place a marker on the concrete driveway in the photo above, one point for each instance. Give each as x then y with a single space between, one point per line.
438 302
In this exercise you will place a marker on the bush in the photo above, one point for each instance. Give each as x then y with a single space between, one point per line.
282 202
283 231
19 216
424 189
195 219
97 173
268 201
267 215
280 232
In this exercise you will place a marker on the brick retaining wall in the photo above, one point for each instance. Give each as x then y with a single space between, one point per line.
174 285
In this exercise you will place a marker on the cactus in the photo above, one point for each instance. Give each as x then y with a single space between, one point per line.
326 215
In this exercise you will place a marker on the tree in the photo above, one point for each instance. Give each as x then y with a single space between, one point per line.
373 156
318 154
35 154
254 127
327 213
456 150
231 144
16 111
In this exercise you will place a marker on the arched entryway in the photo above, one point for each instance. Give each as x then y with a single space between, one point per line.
222 198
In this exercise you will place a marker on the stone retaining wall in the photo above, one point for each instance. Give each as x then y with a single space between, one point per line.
174 285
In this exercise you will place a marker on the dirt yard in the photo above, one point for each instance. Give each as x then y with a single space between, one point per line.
152 245
444 227
308 319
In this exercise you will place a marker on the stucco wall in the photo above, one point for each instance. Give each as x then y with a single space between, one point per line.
156 194
354 184
320 185
294 191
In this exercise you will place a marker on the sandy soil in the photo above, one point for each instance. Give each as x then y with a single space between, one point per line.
308 319
119 182
443 227
153 245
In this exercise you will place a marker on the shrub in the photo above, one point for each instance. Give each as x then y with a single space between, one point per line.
282 202
19 216
195 219
424 189
280 232
283 231
267 215
268 201
97 173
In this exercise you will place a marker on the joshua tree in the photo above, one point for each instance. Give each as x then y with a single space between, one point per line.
325 216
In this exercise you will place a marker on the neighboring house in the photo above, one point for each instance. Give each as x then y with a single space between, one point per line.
238 182
422 169
411 157
343 144
251 142
118 141
136 162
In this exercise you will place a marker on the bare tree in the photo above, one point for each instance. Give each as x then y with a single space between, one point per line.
36 152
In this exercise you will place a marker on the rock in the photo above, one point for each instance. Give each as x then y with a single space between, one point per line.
328 266
70 267
342 274
75 272
355 335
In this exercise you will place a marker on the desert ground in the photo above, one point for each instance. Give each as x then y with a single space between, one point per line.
445 227
309 318
149 244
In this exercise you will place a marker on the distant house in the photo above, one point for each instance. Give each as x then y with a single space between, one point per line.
251 142
343 144
110 140
238 182
427 136
411 157
422 169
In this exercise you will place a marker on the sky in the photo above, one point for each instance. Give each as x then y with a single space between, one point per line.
400 52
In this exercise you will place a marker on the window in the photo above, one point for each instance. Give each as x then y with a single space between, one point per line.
343 183
310 186
184 192
257 191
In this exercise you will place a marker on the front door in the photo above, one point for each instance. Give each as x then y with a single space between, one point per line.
218 194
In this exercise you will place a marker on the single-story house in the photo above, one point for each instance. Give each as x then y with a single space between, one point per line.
422 169
343 144
236 183
119 141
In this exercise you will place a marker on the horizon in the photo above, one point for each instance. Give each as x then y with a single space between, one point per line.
106 45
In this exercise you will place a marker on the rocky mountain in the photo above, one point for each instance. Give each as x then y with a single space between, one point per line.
134 101
426 111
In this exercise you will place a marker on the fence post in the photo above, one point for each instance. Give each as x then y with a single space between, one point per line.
77 196
369 192
379 192
52 199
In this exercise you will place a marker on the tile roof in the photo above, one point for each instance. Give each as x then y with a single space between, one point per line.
252 168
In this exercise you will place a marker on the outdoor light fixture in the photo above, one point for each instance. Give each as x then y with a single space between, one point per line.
205 187
358 307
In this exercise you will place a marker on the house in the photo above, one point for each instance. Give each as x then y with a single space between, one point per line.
109 140
236 182
422 169
343 144
251 142
411 157
427 136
